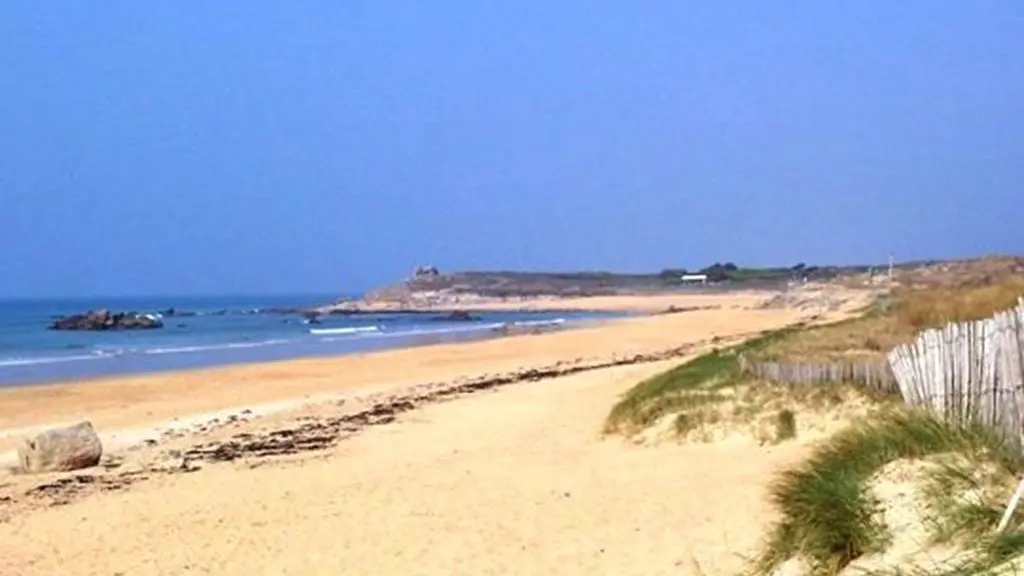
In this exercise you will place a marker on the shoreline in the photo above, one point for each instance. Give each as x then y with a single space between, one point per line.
92 356
234 354
126 402
612 307
122 438
386 399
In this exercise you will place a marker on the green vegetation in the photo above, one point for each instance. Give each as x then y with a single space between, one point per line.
988 555
892 321
664 393
729 272
991 554
692 384
830 517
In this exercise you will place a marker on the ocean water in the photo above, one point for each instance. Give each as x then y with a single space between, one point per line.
216 331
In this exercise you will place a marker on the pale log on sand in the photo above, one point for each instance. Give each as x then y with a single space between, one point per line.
61 449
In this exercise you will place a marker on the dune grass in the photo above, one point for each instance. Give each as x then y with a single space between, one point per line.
960 498
991 555
829 516
892 321
895 320
921 309
688 385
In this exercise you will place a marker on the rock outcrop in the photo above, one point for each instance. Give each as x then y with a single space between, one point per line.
61 450
456 316
104 320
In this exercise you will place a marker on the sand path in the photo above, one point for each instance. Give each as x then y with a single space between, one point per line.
512 482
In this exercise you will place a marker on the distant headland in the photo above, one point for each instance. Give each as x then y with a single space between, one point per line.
429 288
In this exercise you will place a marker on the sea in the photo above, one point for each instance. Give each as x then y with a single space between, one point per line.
217 331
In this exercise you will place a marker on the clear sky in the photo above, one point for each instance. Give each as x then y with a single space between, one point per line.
258 146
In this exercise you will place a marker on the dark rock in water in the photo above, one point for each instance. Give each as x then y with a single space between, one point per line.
456 316
281 310
311 317
104 320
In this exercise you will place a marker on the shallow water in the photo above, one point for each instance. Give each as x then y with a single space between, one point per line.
217 331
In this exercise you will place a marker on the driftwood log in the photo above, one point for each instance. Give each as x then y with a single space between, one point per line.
61 449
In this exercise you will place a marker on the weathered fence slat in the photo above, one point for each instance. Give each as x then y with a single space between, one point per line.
870 373
968 372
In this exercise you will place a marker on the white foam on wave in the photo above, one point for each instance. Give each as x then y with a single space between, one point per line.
212 347
331 335
343 331
448 330
553 322
12 362
423 332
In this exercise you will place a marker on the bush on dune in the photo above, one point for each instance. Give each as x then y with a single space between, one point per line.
829 516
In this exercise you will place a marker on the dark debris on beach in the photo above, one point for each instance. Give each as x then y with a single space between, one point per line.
316 434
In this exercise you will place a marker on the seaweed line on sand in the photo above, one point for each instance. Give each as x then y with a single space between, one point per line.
317 434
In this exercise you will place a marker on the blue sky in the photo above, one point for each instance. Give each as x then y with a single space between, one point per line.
211 147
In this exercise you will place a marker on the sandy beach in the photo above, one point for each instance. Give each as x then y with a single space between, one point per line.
518 480
133 401
496 288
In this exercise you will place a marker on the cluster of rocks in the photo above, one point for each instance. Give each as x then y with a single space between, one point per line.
456 316
105 320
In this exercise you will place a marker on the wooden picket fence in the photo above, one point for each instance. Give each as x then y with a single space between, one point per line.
969 372
874 374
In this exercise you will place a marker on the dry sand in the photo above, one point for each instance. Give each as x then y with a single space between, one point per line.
517 481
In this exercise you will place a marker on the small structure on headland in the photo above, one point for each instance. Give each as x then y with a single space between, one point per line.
428 271
694 278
